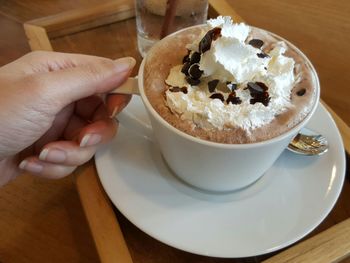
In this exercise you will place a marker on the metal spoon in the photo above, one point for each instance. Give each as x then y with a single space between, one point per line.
308 142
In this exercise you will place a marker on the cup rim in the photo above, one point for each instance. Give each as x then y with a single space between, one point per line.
272 140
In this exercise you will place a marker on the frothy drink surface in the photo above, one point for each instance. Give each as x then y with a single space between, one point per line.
170 52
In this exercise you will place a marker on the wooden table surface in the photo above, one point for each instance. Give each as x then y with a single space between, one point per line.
43 220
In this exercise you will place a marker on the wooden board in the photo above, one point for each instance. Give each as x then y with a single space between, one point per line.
115 20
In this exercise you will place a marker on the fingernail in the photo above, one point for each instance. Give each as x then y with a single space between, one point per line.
53 155
114 113
117 110
124 64
90 140
31 166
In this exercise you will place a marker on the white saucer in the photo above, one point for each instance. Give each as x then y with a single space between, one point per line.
289 201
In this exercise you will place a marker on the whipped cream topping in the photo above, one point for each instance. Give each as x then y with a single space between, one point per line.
231 59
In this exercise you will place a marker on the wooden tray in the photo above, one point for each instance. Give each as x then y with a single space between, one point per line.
102 30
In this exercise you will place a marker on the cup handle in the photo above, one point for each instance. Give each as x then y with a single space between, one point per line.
128 87
129 120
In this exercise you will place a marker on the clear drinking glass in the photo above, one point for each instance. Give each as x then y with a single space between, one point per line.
151 19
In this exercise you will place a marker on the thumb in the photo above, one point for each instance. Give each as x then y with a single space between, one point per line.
67 85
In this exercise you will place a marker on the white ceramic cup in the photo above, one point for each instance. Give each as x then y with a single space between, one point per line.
209 165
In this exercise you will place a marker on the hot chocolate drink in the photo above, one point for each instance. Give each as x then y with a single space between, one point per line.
229 83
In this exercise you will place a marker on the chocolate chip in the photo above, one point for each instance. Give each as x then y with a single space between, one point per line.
256 87
211 35
194 71
195 57
185 68
186 58
175 89
263 98
258 91
178 89
262 55
217 96
301 92
215 33
233 99
265 102
205 43
262 85
191 81
257 43
212 85
231 86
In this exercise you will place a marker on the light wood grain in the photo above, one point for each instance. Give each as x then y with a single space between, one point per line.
223 8
103 223
43 221
23 11
37 37
332 245
80 19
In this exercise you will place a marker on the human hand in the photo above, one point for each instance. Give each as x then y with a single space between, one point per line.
52 117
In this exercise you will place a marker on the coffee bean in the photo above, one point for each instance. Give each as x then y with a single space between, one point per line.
212 85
